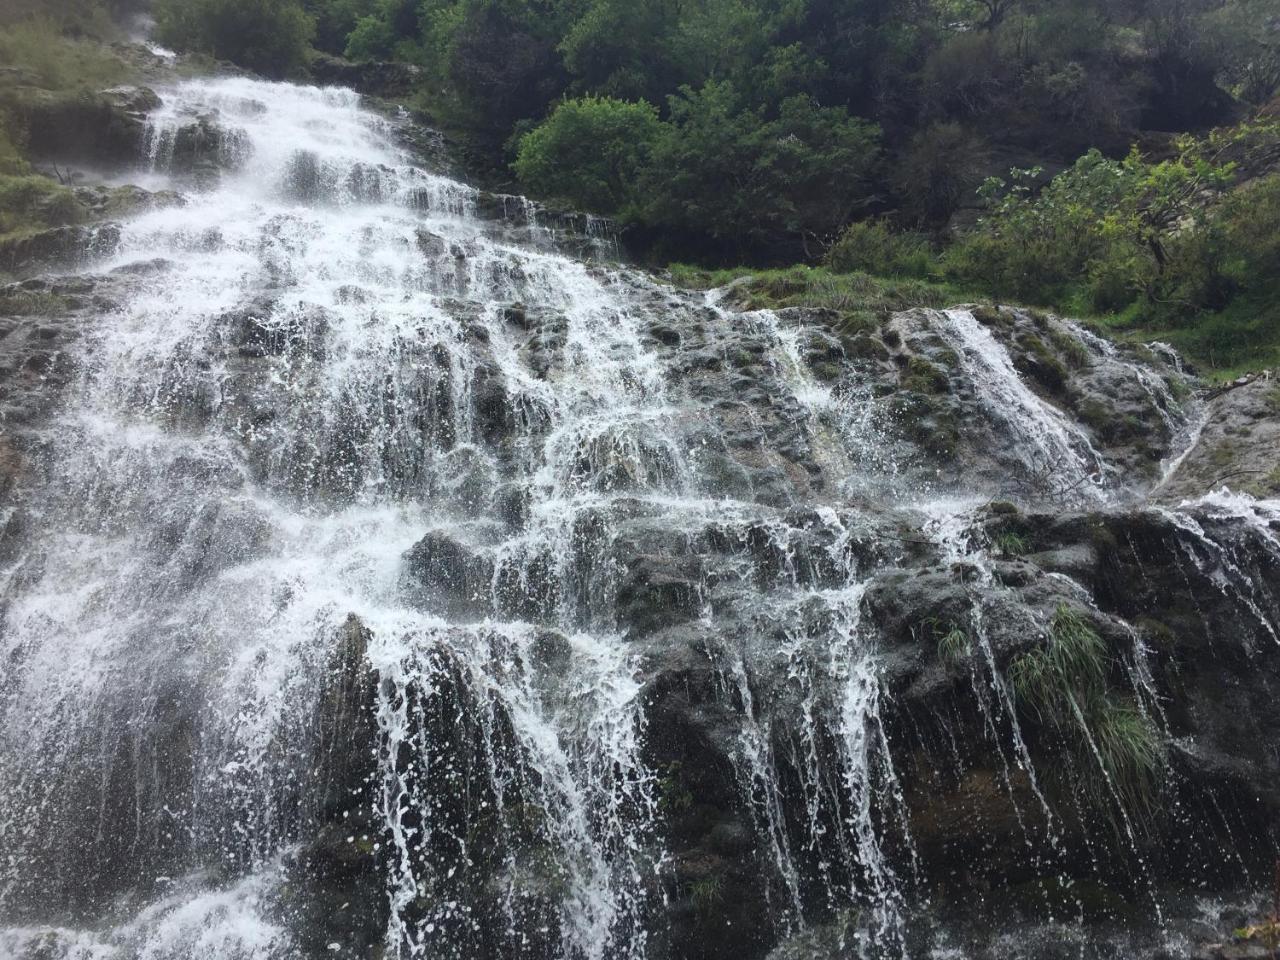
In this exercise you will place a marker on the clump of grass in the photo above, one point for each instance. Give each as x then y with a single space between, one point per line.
1065 684
1129 751
954 643
1071 668
1010 543
707 893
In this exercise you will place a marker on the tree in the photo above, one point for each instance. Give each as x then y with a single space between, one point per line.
590 151
723 170
335 19
268 36
1246 34
502 64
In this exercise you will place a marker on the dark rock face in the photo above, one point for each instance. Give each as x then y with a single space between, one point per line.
106 129
375 78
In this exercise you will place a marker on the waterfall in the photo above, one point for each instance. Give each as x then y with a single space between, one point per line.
314 374
400 572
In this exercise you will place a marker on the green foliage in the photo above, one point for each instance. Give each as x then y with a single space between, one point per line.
707 893
726 171
590 151
871 246
954 645
335 21
1166 244
939 170
269 36
31 202
1010 543
43 55
1244 34
1065 684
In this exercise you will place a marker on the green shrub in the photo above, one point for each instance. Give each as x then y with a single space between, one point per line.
590 151
872 247
268 36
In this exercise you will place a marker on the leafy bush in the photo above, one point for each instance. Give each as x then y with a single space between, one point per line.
335 20
871 246
590 151
269 36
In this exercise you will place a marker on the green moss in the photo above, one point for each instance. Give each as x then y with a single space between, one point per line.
990 316
1109 427
29 303
1156 631
921 376
859 301
928 424
1264 486
1042 365
862 346
674 796
1075 353
31 203
826 371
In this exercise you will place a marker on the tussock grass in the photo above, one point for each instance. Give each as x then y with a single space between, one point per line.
1065 684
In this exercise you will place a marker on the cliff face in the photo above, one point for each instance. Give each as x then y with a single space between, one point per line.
390 571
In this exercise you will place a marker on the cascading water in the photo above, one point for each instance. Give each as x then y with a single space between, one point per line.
227 483
392 582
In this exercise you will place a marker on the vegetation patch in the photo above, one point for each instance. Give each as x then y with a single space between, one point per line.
1064 685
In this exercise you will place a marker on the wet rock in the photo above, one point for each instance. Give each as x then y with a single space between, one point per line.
338 868
1238 445
265 329
59 247
658 592
374 77
204 147
99 129
451 574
